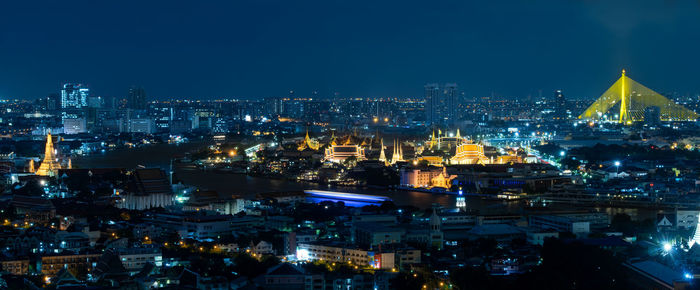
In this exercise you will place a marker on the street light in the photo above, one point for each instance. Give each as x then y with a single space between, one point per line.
667 247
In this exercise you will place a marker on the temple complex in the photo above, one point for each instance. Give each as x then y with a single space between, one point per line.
340 153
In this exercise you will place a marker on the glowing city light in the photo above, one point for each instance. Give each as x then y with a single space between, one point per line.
667 247
343 195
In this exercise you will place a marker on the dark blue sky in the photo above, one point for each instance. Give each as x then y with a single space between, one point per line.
356 48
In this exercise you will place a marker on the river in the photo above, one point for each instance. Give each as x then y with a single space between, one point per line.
159 155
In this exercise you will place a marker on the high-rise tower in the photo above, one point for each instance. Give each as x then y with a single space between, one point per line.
441 104
74 96
137 98
559 104
432 103
450 96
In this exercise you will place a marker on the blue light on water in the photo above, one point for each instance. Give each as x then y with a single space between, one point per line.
344 196
350 199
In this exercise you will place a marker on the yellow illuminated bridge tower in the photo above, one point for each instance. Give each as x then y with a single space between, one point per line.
632 98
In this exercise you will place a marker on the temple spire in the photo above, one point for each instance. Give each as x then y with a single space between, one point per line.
50 166
382 155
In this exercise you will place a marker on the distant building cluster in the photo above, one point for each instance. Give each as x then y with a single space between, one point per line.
440 191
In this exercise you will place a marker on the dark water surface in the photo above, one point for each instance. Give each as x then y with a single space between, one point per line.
159 155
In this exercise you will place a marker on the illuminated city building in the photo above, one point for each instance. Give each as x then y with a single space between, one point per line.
74 126
441 104
469 153
342 254
50 165
445 142
432 103
137 98
149 188
426 177
632 99
74 96
308 143
52 265
503 159
339 153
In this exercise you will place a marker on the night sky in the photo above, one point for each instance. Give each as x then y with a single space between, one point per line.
208 49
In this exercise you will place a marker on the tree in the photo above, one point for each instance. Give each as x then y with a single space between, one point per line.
473 278
251 267
575 266
350 161
32 187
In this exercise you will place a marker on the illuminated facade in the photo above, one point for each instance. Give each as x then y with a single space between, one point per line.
503 159
469 153
50 165
149 188
339 153
632 99
441 103
445 142
340 254
74 96
426 177
308 143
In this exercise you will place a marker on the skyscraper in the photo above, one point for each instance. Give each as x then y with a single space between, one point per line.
432 103
137 98
559 98
450 94
441 105
274 106
559 104
74 96
53 102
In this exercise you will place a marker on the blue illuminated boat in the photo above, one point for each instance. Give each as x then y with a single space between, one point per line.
350 199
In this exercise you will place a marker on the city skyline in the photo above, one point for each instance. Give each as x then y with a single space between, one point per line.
253 50
335 144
